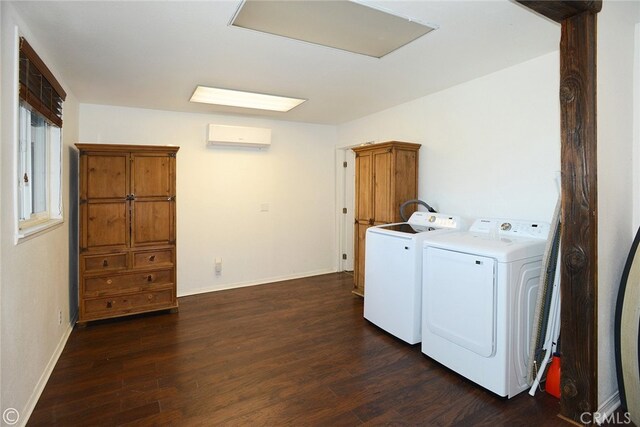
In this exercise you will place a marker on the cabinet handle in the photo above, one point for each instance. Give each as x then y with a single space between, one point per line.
152 258
150 278
105 263
110 304
370 221
109 281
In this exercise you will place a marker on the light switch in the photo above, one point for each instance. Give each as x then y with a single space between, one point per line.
218 265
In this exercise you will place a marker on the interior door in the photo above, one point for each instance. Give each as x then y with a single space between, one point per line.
349 203
153 204
103 200
459 299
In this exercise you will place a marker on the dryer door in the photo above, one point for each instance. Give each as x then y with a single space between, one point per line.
459 293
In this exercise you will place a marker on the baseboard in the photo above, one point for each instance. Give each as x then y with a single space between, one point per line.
608 407
25 413
255 283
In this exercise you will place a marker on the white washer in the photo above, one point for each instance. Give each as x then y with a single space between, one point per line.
479 297
393 272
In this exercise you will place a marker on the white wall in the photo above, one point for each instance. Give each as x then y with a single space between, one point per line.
1 204
616 29
35 273
490 147
220 192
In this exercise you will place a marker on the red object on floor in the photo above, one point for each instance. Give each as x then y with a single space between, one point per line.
552 386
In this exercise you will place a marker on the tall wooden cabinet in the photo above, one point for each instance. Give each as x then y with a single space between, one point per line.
127 215
386 177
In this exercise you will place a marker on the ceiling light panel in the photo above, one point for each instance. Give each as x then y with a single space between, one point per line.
235 98
338 24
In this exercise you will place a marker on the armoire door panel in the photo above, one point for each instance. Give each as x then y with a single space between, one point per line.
361 231
151 175
406 183
152 222
382 203
364 188
107 224
106 176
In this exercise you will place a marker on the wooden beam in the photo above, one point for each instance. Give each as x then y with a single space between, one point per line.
560 10
579 237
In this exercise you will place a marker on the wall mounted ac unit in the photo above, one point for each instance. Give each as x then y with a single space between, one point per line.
239 136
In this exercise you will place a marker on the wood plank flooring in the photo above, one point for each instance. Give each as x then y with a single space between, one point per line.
291 353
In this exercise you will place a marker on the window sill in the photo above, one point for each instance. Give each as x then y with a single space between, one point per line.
38 229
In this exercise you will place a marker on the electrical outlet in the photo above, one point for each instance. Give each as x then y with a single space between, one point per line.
218 265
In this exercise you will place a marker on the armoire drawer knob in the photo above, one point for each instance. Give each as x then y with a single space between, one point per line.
105 263
152 258
150 278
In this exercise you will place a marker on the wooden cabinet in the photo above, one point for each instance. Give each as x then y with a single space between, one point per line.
127 230
386 177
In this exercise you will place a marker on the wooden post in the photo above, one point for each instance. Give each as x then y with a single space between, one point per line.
579 237
579 268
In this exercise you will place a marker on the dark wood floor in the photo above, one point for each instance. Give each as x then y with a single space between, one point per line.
291 353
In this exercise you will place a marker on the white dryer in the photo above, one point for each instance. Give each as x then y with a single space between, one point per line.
479 296
393 272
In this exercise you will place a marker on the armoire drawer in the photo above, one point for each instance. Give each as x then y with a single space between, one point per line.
123 304
128 282
105 262
160 257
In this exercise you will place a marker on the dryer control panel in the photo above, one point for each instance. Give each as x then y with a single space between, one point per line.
512 228
435 220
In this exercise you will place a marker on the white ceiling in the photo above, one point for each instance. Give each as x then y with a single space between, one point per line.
153 54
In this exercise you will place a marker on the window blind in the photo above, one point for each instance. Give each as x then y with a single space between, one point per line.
38 87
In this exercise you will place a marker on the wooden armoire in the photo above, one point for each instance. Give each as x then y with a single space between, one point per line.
127 230
386 177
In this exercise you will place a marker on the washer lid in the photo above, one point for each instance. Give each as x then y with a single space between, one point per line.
403 227
501 248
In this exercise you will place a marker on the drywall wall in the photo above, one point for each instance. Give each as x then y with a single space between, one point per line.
490 147
268 214
35 273
616 36
1 203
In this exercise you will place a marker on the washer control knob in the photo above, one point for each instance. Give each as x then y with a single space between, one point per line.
505 226
432 218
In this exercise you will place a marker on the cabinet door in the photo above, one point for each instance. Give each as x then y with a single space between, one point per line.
358 267
152 175
103 201
153 205
382 184
364 187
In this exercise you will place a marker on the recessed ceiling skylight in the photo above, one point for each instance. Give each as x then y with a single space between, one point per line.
339 24
235 98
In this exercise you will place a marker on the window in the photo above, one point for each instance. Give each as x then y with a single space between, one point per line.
39 168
